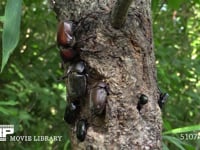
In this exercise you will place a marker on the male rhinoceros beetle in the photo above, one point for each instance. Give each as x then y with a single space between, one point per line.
68 54
66 42
71 113
142 101
65 36
98 97
81 129
76 80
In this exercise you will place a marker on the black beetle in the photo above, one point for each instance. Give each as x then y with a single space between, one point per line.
162 99
71 113
98 97
65 36
76 80
81 129
142 101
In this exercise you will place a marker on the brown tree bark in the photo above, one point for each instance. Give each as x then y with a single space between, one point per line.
123 58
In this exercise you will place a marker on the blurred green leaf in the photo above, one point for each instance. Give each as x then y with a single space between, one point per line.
10 111
23 115
175 141
11 29
4 110
164 146
67 144
10 103
1 18
183 129
166 125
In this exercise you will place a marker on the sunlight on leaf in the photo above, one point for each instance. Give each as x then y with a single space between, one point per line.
183 129
11 29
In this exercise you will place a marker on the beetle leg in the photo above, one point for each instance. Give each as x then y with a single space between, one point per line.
62 78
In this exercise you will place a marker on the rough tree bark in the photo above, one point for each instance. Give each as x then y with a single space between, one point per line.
123 58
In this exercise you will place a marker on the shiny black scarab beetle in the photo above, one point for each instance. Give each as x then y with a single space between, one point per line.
162 99
71 113
81 129
142 101
98 97
76 80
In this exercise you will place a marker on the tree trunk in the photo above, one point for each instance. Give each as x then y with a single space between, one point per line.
124 59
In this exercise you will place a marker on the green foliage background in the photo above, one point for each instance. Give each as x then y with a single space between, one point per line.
30 96
177 47
33 100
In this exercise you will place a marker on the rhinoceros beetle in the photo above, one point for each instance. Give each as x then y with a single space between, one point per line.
98 97
66 41
142 101
76 80
65 36
81 129
69 47
162 99
71 113
68 54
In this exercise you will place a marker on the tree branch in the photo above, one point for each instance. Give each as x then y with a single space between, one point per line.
119 13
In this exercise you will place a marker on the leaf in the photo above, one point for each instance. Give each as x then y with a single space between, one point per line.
67 144
183 129
10 103
175 141
167 125
1 18
23 115
11 29
8 112
4 111
164 146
